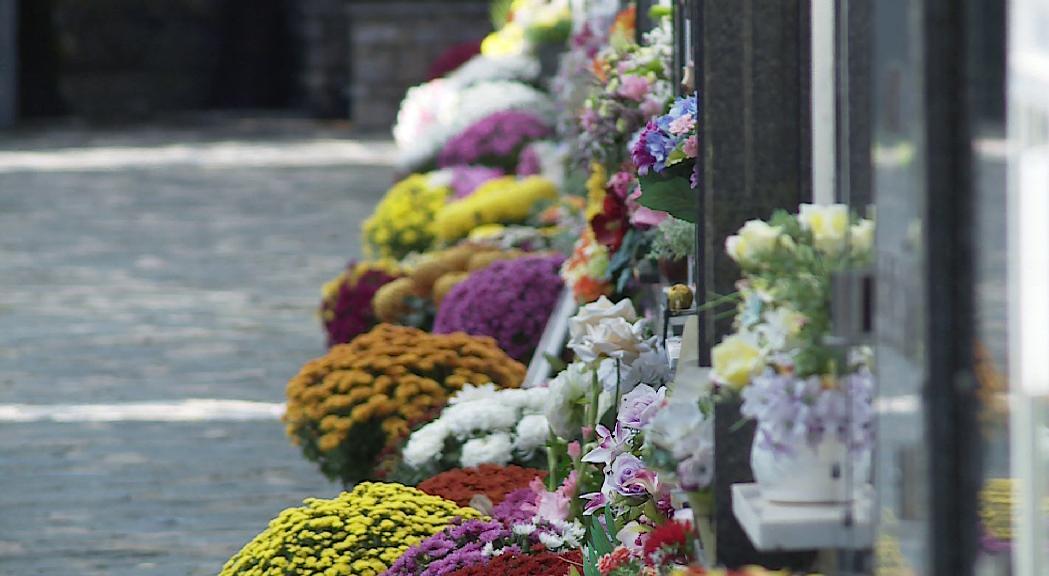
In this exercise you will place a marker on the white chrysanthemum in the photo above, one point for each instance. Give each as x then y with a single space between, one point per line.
425 444
460 109
464 419
470 393
532 432
482 411
483 68
492 449
551 541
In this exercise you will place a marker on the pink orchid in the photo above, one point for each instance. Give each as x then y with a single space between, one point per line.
610 446
594 502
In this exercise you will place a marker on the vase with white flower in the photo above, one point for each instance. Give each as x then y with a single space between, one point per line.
809 395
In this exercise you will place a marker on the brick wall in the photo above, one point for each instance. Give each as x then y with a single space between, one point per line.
392 45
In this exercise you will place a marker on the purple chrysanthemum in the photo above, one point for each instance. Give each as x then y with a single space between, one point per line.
517 508
495 140
458 546
350 313
509 301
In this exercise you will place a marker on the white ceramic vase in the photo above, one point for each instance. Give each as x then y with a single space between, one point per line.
811 475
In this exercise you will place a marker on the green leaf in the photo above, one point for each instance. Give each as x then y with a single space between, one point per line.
610 522
556 364
673 195
602 544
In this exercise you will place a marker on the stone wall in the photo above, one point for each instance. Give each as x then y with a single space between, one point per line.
392 45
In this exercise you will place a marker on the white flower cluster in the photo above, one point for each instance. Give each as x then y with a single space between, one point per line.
483 68
491 426
609 341
433 112
686 433
555 535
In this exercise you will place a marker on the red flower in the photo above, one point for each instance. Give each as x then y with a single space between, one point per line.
668 541
542 564
614 559
610 225
462 484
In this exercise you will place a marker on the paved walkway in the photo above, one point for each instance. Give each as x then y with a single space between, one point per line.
157 290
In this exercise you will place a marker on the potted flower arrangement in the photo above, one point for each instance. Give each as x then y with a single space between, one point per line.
811 399
664 153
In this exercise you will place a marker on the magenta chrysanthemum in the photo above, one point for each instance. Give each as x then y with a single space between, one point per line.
509 301
348 313
458 546
495 140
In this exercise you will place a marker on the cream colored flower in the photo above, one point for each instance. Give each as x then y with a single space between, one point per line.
755 239
861 237
735 360
829 224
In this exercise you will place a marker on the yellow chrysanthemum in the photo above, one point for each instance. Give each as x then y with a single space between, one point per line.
504 200
595 190
358 533
359 401
403 221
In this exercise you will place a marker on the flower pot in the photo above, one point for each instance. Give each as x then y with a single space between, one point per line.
811 474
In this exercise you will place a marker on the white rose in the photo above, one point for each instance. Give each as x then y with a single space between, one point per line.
492 449
615 338
754 240
596 312
829 224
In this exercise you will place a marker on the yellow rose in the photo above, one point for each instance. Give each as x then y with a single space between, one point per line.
828 224
736 359
861 237
754 240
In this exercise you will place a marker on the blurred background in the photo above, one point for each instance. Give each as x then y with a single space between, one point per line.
177 179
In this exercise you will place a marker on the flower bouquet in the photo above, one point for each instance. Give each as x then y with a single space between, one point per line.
351 409
664 153
811 398
631 85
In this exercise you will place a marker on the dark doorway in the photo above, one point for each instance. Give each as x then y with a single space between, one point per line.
126 60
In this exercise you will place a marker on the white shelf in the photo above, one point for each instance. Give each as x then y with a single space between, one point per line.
778 526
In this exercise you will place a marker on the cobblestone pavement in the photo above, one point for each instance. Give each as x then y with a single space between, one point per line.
161 265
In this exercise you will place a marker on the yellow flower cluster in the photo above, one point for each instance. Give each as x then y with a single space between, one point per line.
504 200
359 402
330 290
358 533
403 221
432 276
595 190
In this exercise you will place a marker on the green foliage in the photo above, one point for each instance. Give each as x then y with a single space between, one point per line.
673 195
674 239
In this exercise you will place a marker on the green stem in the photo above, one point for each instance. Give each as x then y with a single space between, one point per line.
702 512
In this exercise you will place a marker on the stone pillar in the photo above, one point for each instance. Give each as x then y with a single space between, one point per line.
754 94
8 62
